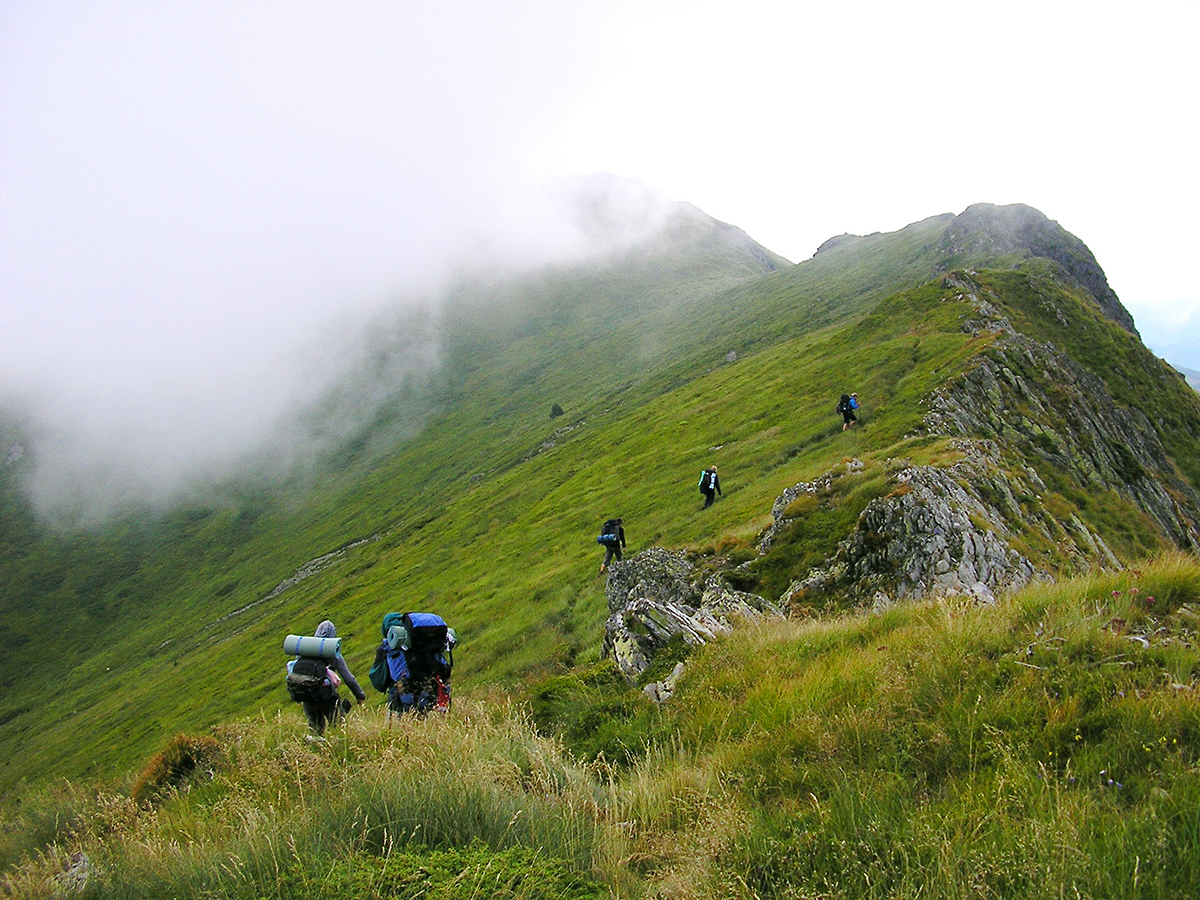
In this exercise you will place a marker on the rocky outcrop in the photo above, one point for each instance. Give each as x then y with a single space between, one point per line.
652 600
1029 396
957 528
980 523
934 533
946 530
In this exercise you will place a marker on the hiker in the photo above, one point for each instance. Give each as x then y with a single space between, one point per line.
846 406
709 484
612 537
315 674
414 661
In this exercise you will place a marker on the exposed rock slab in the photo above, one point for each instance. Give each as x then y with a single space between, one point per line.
1037 400
933 534
653 599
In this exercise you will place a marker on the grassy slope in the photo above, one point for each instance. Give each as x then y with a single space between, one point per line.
1031 749
148 601
478 517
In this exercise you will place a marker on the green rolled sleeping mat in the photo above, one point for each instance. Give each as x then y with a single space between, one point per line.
307 645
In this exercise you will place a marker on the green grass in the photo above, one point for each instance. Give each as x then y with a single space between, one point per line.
935 750
488 514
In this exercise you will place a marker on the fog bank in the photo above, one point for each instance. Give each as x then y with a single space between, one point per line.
210 213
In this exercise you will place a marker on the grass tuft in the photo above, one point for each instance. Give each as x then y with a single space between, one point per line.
185 757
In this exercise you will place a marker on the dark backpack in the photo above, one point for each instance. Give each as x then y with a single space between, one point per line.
308 681
381 678
844 404
610 534
428 654
414 672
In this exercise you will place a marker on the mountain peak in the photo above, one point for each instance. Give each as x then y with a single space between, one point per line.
988 236
988 231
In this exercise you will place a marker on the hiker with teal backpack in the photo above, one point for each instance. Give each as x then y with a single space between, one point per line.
413 663
612 539
314 676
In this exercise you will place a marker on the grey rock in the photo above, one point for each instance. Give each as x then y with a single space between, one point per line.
653 599
661 691
932 535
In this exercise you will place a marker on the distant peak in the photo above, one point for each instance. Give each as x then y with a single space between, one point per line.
616 214
987 230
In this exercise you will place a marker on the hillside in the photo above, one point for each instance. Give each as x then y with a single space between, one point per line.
1040 747
463 495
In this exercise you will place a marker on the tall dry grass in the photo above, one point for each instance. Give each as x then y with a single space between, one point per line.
1044 747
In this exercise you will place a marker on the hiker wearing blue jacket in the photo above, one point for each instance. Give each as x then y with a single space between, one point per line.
846 406
323 712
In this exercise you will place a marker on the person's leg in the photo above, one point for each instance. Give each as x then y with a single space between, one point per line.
339 707
314 711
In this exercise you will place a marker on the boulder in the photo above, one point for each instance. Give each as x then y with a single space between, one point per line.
652 599
934 534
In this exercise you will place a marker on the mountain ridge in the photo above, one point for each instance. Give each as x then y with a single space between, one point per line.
663 359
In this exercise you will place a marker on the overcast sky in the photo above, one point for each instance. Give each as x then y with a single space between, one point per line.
196 195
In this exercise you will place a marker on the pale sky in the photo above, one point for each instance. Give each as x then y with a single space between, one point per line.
196 196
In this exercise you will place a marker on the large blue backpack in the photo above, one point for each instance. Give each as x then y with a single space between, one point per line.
414 661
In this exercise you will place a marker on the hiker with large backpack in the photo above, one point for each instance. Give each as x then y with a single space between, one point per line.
612 539
314 675
413 662
710 484
846 406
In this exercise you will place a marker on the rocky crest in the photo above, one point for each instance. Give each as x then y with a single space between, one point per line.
954 529
939 531
1030 396
977 525
987 230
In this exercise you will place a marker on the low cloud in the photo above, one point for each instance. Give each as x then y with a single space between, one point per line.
224 229
171 412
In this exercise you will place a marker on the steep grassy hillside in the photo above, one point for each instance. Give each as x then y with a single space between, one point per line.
489 514
117 620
